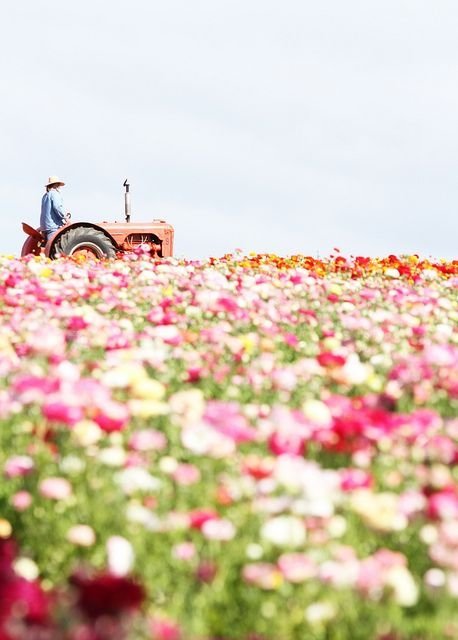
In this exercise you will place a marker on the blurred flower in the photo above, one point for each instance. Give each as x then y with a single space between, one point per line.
21 500
55 488
284 531
164 629
401 582
184 551
26 568
105 594
17 466
81 535
121 555
320 613
186 474
218 529
147 440
137 479
264 575
86 432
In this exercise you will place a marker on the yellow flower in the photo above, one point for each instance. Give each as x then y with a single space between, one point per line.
124 375
86 432
147 389
167 291
248 343
5 528
378 511
148 408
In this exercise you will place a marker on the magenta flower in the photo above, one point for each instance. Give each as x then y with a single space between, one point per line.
61 412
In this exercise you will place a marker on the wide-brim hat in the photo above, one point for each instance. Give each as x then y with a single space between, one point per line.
54 180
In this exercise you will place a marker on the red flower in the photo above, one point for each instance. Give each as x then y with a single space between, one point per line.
206 571
107 595
328 359
199 517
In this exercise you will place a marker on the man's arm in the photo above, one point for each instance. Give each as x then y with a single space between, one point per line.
58 206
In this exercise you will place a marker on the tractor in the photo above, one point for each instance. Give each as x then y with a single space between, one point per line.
102 240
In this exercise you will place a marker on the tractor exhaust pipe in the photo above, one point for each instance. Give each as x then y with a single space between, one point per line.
126 185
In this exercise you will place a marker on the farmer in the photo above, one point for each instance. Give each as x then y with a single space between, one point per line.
52 208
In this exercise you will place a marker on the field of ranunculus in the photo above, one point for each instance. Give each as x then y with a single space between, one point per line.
245 448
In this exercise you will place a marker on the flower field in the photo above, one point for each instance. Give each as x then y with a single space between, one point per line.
245 448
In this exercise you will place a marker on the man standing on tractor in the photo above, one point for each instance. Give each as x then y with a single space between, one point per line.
52 208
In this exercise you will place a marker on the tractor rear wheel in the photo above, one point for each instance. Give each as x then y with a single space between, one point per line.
84 241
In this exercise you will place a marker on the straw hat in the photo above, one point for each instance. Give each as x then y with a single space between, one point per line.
54 180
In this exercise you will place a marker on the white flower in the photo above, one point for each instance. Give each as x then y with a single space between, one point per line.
141 515
218 529
81 535
188 405
254 551
317 412
429 534
112 456
26 568
86 432
401 582
320 612
354 371
284 531
435 578
135 479
72 464
121 555
202 440
168 465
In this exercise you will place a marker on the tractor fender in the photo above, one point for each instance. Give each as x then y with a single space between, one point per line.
74 225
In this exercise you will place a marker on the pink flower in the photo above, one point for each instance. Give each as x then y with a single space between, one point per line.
113 417
352 479
184 551
186 474
218 529
17 466
147 440
21 500
262 574
163 629
55 488
443 505
297 567
226 418
287 442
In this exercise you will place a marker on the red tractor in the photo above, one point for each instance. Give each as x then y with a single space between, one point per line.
102 240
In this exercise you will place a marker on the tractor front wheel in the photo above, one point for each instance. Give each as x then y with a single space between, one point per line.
84 241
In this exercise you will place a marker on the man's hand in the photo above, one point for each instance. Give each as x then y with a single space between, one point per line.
68 215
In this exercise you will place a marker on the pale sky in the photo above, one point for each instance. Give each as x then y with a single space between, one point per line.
290 126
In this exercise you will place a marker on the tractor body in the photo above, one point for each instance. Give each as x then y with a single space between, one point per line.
100 240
